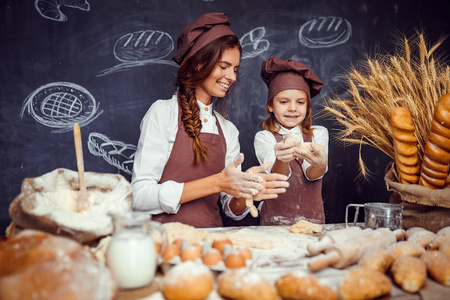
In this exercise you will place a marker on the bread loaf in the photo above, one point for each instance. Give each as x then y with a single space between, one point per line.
409 273
444 247
306 287
438 265
441 235
364 284
422 237
405 146
405 248
241 284
37 265
436 156
377 259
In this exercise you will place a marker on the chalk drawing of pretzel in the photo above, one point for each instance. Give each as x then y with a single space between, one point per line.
51 9
116 153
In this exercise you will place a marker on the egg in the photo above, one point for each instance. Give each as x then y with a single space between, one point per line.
212 257
158 247
171 251
220 244
178 243
246 252
235 260
190 253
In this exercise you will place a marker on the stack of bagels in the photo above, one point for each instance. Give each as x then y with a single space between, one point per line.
433 171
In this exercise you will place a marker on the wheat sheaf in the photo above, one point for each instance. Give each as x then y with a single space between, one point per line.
414 77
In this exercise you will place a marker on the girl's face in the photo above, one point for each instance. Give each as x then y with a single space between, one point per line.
289 107
221 78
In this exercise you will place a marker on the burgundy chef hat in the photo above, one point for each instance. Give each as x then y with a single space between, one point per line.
280 75
199 33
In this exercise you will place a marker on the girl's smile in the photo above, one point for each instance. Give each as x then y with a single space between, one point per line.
289 107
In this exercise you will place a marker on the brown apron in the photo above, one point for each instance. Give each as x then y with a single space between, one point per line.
203 212
303 198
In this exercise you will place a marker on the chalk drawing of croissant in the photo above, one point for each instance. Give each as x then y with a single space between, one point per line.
116 153
253 43
51 9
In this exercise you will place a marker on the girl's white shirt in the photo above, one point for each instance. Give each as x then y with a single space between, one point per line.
265 142
159 128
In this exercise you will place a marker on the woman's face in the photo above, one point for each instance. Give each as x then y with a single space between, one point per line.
221 78
289 107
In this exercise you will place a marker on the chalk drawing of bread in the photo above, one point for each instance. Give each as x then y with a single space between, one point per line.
324 32
143 45
253 43
51 9
116 153
60 105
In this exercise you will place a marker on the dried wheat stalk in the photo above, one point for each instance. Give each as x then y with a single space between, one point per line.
414 78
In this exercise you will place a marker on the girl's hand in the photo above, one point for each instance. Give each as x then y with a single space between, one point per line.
284 151
240 184
312 153
274 184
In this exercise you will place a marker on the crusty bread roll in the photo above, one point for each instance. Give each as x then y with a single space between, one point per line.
441 235
422 237
436 156
409 273
411 230
377 259
438 265
306 287
405 146
405 248
38 265
241 284
364 284
188 280
444 247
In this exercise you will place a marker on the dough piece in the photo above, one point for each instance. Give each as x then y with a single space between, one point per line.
405 248
188 280
436 155
241 284
444 247
422 237
438 265
50 203
409 273
307 287
297 140
364 284
177 230
377 260
405 146
37 265
441 235
305 227
247 240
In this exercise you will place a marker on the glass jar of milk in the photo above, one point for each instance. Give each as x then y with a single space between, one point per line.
131 254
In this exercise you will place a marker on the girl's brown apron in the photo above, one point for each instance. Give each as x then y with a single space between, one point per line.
202 212
303 198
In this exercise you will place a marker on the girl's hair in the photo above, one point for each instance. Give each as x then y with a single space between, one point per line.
189 76
271 125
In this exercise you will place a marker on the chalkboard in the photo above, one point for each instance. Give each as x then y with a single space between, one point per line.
103 63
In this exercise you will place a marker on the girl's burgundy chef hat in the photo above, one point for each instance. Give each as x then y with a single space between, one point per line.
199 33
280 75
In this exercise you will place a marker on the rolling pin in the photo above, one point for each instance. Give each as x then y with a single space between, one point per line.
334 237
347 253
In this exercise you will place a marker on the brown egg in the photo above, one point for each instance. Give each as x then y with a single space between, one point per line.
190 253
171 251
178 243
220 244
158 247
212 257
246 252
235 260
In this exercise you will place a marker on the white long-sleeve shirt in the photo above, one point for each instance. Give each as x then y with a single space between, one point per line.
159 128
265 142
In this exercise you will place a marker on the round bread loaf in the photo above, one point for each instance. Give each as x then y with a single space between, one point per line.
37 265
307 287
187 281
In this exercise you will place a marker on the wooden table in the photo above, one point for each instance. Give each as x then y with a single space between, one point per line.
278 260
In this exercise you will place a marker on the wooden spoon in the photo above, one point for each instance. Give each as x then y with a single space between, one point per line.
83 203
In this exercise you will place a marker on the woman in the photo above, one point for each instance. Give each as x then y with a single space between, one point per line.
188 155
295 146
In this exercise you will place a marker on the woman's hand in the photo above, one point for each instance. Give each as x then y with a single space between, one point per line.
240 184
273 183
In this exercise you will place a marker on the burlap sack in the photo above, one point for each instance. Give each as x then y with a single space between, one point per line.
422 207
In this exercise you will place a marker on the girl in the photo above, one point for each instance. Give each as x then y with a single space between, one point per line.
179 169
296 148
